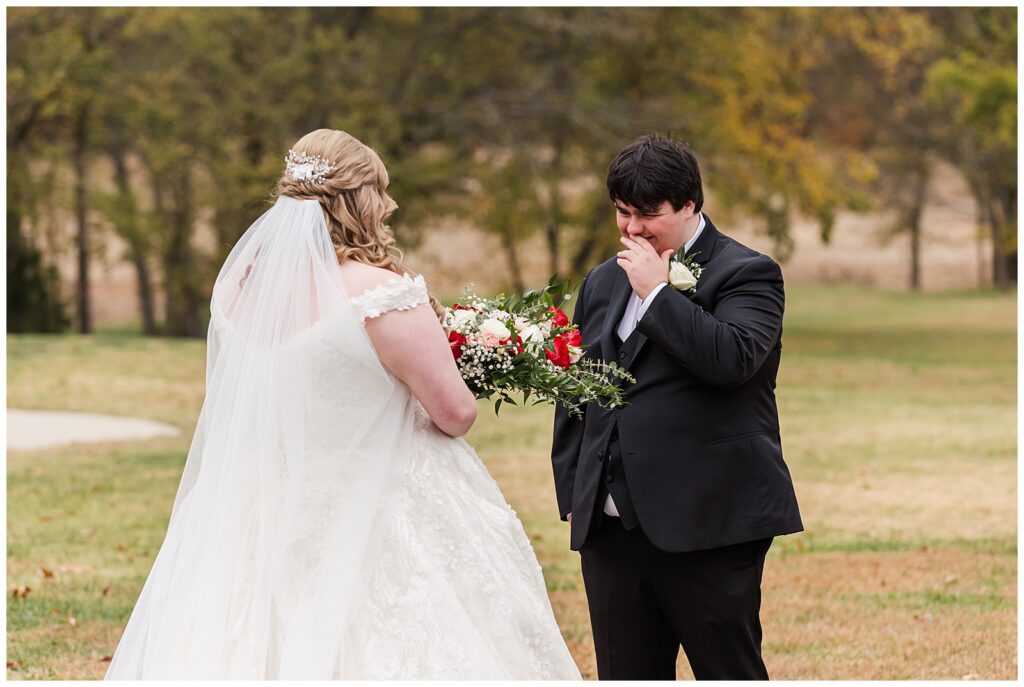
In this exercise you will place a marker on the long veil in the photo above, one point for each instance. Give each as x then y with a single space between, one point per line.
273 529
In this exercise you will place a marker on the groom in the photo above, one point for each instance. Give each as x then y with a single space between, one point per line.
674 499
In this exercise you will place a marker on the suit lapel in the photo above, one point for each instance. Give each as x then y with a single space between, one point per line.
704 247
621 291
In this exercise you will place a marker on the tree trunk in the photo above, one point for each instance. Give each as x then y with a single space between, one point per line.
137 245
913 225
997 229
1008 230
999 272
508 242
179 263
144 279
597 222
979 243
552 229
84 310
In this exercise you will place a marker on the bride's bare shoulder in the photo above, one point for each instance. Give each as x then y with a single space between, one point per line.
360 278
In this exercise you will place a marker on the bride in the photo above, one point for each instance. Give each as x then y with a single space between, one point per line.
330 523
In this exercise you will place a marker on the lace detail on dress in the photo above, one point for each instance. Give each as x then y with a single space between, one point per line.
457 592
402 293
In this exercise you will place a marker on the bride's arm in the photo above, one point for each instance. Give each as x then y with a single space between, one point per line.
412 345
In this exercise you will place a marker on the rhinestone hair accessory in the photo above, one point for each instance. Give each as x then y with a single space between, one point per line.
303 167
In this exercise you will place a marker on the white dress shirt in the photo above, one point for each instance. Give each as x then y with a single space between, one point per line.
635 309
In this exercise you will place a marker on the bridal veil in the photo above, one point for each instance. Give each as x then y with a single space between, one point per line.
273 531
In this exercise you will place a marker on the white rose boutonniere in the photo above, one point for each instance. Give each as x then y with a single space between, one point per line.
683 272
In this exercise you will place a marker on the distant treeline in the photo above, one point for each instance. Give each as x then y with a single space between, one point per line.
504 116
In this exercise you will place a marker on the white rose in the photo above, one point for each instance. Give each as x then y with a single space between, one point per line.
574 354
532 334
680 277
495 327
463 317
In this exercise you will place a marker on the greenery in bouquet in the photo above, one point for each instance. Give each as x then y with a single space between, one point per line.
526 345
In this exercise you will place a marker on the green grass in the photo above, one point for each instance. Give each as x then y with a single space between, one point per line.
898 420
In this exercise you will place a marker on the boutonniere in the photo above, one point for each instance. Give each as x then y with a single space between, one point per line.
683 272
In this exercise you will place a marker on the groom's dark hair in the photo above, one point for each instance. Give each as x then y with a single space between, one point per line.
653 169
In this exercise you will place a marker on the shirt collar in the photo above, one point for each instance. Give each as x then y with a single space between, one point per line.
693 239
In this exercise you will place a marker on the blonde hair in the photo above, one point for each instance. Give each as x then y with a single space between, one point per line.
353 195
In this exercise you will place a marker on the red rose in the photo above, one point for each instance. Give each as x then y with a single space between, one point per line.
573 338
560 320
461 307
456 341
559 356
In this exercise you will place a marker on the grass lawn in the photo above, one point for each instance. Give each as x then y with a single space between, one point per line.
898 424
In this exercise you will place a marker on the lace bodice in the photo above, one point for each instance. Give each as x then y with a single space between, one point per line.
399 293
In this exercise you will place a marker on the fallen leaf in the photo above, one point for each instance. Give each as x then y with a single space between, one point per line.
106 590
21 592
72 620
121 547
56 611
12 665
47 572
107 659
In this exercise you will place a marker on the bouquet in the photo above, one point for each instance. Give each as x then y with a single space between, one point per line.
525 344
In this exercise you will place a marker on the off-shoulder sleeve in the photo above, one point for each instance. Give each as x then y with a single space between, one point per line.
402 293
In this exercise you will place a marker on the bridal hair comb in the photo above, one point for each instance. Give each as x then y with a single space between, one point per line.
303 167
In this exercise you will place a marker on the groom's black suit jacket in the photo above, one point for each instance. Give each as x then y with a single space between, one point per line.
699 440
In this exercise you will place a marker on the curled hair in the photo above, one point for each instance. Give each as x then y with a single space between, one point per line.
354 198
653 169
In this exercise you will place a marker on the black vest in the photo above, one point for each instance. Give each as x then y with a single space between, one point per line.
613 475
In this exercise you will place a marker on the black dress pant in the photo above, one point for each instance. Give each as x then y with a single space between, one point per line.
645 603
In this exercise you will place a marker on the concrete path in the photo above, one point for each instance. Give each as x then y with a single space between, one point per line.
36 429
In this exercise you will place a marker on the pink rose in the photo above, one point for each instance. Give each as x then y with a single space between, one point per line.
491 340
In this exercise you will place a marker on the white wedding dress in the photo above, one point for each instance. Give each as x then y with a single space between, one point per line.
324 527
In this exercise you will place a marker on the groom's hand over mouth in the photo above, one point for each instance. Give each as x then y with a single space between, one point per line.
642 264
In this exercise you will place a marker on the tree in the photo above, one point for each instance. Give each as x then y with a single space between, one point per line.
868 94
977 90
36 82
